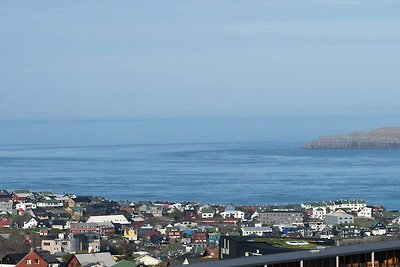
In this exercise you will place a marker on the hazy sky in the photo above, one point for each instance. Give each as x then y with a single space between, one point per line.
139 59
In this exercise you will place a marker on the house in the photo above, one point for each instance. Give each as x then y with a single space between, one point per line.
138 222
6 206
154 209
38 213
43 224
38 258
60 246
87 242
173 233
338 217
199 237
260 231
230 212
207 212
147 230
60 224
30 222
115 219
351 204
97 209
146 260
21 195
280 215
228 229
348 230
324 231
379 228
365 212
125 263
104 229
78 201
95 259
318 213
5 196
130 233
49 203
5 222
58 214
10 260
25 206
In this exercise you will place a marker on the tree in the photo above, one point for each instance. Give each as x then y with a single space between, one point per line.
175 214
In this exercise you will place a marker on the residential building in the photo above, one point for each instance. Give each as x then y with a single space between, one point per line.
5 222
60 246
38 258
115 219
21 195
207 212
49 203
6 206
130 233
280 216
104 229
365 212
338 217
259 231
93 259
235 214
347 230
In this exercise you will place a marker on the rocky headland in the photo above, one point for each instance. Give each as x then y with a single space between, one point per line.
382 138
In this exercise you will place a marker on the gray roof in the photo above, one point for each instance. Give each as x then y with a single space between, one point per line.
47 256
93 259
252 228
303 255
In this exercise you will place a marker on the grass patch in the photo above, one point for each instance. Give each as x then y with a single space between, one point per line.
281 243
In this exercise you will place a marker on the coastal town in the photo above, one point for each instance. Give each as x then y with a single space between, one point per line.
73 230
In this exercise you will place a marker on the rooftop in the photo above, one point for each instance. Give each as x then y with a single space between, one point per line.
305 255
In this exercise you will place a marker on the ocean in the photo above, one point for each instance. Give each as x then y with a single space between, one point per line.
238 161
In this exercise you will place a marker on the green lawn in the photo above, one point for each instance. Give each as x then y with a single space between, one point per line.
281 242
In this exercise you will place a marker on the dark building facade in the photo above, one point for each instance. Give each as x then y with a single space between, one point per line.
379 254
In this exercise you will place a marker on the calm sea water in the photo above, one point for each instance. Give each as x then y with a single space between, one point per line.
242 161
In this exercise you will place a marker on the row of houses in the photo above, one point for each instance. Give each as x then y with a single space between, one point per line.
165 229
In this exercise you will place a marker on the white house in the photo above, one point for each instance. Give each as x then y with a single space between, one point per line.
318 212
207 212
365 212
147 260
178 206
260 231
237 214
49 203
338 217
119 219
30 223
255 216
25 206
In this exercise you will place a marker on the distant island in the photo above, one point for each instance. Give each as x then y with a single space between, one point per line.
382 138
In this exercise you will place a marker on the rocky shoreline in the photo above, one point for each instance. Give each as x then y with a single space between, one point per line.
382 138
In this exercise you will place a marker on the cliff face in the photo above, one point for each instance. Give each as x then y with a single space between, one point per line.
382 138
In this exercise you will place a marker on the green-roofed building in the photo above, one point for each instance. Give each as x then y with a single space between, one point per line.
124 263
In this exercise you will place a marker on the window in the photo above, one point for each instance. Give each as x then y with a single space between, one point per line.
28 261
36 261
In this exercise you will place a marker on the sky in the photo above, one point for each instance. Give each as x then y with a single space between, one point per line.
153 59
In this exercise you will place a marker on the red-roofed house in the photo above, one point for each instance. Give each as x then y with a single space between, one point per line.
5 222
